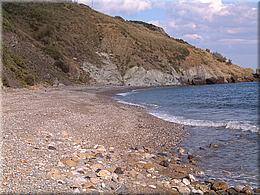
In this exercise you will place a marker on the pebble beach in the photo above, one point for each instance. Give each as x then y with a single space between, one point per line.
79 140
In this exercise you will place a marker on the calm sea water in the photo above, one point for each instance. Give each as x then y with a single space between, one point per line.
224 115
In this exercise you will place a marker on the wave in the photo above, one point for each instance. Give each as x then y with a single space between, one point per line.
238 125
131 104
126 93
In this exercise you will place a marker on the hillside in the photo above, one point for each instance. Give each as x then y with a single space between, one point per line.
46 43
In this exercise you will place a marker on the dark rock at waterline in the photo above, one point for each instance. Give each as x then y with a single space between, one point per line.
210 192
222 192
213 145
257 191
214 80
247 190
232 79
190 156
210 181
164 163
201 186
192 159
197 81
232 191
211 80
219 185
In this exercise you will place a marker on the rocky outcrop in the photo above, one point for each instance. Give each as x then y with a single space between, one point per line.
107 74
138 76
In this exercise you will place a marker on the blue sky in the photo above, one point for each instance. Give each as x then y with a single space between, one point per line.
225 26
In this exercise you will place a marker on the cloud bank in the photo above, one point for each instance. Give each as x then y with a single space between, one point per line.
119 6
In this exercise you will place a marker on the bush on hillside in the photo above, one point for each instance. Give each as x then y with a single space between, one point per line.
44 33
30 80
181 41
219 57
52 51
229 61
62 65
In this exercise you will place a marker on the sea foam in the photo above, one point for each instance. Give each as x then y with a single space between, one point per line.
126 93
238 125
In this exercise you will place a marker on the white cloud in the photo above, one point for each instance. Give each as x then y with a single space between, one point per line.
216 6
233 30
119 6
172 24
212 20
206 9
193 37
237 41
190 25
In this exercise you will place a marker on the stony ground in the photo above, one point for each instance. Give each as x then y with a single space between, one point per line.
75 140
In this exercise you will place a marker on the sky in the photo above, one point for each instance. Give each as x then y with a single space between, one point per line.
225 26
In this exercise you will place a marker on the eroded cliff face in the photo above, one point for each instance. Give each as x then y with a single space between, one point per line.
71 43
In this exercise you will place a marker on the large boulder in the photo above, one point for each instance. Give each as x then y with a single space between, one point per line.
219 185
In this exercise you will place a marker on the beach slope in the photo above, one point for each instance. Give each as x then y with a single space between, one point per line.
73 139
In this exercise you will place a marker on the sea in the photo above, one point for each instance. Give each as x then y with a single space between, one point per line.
221 121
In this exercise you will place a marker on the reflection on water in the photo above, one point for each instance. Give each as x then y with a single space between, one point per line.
225 154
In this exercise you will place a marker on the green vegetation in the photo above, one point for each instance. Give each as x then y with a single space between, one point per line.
54 52
62 65
7 25
30 80
183 53
17 66
4 81
44 33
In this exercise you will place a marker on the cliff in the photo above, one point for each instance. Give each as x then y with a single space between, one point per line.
46 43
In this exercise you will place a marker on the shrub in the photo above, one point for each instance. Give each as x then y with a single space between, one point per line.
7 24
182 53
52 51
30 80
63 66
18 60
219 57
181 41
119 18
5 81
229 61
44 33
